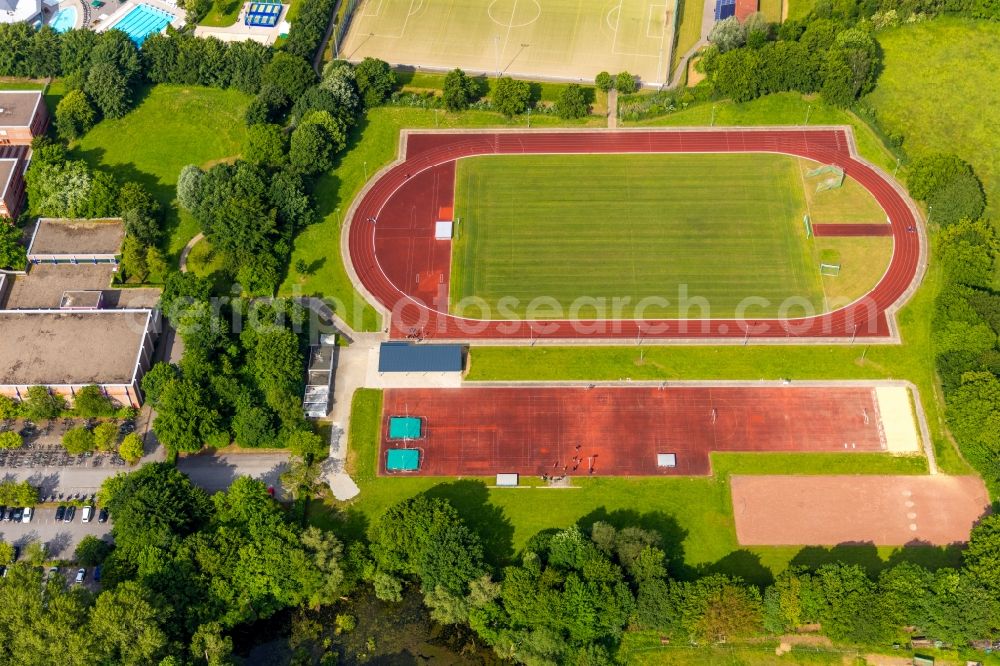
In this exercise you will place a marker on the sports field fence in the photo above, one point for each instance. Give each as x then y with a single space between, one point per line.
345 22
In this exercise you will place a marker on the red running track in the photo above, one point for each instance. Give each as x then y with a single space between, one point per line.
619 430
848 229
412 315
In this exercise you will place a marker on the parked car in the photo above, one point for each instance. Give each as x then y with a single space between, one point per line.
3 513
102 517
88 513
97 574
53 571
60 513
81 575
70 513
16 514
27 515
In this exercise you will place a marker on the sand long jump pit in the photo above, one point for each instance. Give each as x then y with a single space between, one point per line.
550 39
830 510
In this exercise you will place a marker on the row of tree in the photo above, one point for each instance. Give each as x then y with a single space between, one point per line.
40 403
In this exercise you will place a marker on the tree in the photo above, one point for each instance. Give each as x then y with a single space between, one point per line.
306 444
78 440
510 96
288 73
196 10
211 645
572 102
11 439
185 419
375 81
189 184
105 436
961 198
459 90
156 380
91 551
90 402
265 145
127 620
12 253
982 557
140 212
315 141
6 554
131 448
109 89
252 427
625 83
74 115
42 404
604 82
245 62
727 34
302 478
426 538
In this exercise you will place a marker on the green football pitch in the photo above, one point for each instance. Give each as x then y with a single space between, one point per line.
571 233
560 39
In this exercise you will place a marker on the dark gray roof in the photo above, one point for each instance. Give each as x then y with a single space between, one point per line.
409 357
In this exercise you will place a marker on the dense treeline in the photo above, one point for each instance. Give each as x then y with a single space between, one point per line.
240 378
833 51
309 28
573 593
187 569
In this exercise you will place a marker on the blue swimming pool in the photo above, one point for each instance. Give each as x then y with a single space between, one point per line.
64 19
142 22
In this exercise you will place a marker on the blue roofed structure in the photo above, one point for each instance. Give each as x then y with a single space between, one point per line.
724 9
410 357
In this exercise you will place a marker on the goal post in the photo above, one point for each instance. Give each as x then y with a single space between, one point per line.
807 223
829 269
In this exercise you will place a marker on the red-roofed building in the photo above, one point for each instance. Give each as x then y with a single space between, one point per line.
745 8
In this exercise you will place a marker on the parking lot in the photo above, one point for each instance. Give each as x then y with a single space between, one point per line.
60 538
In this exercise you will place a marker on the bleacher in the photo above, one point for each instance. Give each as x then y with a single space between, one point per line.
724 9
263 14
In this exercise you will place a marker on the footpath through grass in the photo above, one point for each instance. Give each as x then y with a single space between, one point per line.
589 230
171 126
694 514
941 89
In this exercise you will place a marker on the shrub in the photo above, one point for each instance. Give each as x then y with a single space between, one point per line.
105 436
604 81
131 448
375 81
90 402
11 440
78 440
625 83
41 403
459 90
572 102
91 551
74 115
8 407
510 97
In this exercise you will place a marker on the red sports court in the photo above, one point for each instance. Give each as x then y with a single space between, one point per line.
622 431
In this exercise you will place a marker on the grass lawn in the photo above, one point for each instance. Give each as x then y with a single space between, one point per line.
771 9
941 89
172 126
223 13
8 83
688 30
205 262
372 145
848 203
574 228
799 9
694 514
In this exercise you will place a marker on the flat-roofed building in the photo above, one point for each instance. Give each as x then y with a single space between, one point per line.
23 116
76 241
67 350
13 163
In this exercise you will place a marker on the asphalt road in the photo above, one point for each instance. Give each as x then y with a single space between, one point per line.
60 538
217 472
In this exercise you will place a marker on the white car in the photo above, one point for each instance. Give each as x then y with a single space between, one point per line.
88 513
81 575
28 512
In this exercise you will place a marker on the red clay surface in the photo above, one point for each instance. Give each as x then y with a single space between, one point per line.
619 430
830 510
400 266
854 230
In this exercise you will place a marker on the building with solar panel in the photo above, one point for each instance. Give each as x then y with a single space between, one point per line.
262 14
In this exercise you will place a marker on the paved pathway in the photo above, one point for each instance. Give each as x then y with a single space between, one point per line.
612 109
183 261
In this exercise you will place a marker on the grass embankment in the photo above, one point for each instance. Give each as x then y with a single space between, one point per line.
940 89
589 229
691 13
223 13
694 514
171 126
